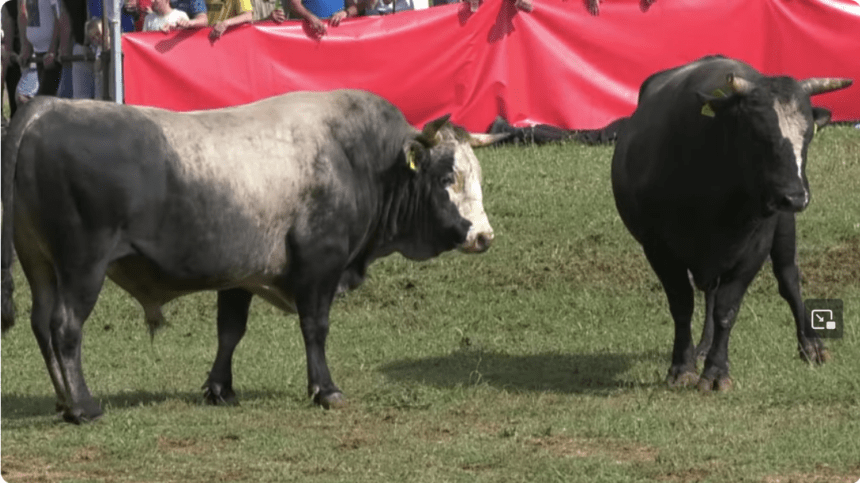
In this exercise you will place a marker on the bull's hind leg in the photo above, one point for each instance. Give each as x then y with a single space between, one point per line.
783 254
232 320
59 311
708 328
73 306
44 290
80 264
679 292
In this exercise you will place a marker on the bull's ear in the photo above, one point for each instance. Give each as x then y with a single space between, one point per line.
428 134
413 154
721 97
820 116
713 104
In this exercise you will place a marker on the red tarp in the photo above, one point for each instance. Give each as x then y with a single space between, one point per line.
556 65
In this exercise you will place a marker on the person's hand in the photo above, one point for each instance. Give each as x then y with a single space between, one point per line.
218 30
524 5
165 28
26 53
318 26
337 17
48 59
278 15
183 24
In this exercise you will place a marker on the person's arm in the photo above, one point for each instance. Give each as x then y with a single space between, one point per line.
26 46
199 20
278 15
351 10
247 16
61 35
8 36
317 25
198 16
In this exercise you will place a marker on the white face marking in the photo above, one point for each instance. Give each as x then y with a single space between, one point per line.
792 125
467 196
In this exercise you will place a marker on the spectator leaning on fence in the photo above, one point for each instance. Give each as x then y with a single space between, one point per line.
163 17
38 20
80 73
234 12
313 11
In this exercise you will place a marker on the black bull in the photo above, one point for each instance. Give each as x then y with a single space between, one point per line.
289 198
707 175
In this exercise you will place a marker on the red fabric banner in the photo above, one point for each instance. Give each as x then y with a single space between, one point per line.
556 65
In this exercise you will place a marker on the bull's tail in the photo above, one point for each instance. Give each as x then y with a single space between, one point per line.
6 284
11 141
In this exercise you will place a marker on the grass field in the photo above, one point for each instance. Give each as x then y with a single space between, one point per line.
539 361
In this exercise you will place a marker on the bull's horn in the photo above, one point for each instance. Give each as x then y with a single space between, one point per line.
739 85
477 140
820 85
432 128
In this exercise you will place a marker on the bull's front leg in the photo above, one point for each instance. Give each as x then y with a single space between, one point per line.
783 254
727 302
319 260
313 315
232 321
679 293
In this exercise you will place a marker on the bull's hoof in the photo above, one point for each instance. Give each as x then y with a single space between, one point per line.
681 378
721 384
81 415
814 353
216 394
333 400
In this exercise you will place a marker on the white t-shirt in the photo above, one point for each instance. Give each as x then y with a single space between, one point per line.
153 21
41 15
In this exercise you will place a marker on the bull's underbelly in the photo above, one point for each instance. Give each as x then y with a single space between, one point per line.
153 286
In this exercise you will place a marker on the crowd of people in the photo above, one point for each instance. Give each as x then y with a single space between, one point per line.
54 47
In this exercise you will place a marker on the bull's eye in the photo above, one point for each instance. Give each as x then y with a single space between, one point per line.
448 179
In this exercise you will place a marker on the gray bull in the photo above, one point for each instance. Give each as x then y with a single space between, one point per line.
289 198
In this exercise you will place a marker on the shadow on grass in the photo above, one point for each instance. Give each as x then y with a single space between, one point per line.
595 374
23 407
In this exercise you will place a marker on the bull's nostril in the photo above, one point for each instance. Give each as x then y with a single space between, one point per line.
484 241
794 202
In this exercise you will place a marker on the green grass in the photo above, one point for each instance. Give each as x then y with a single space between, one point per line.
541 360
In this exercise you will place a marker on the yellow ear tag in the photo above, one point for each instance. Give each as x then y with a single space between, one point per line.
410 159
707 109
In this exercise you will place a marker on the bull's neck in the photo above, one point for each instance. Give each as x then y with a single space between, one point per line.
403 222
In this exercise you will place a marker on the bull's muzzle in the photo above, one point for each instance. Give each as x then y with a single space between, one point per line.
793 202
479 244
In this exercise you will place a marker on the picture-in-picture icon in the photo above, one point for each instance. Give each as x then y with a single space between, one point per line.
822 319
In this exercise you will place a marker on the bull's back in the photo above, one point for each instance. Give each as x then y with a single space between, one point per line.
193 197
